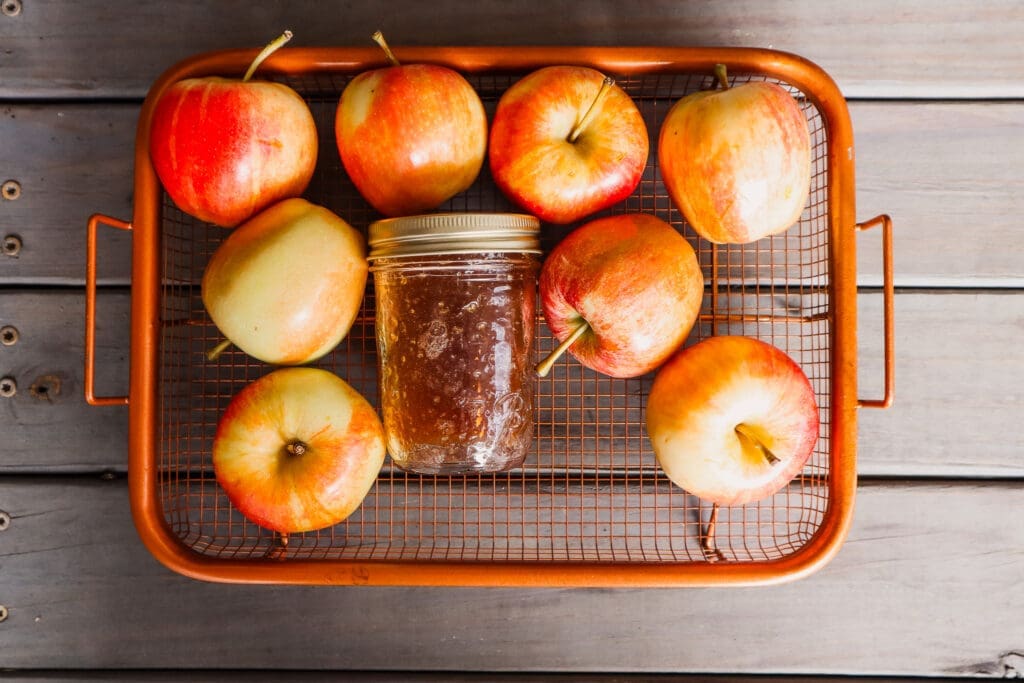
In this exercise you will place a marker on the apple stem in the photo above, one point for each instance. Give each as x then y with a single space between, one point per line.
606 85
707 541
270 49
544 367
296 448
722 75
378 38
214 353
745 431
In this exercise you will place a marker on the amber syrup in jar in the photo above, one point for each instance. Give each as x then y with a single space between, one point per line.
456 305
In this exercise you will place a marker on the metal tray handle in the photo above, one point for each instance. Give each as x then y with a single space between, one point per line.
90 311
888 291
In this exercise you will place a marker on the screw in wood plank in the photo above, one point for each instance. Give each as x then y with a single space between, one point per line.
10 190
8 387
9 335
5 521
11 8
11 245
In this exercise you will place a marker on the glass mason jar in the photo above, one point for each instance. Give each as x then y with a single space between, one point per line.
456 301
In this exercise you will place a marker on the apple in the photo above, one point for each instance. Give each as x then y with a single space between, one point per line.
410 136
731 419
298 450
566 142
224 149
286 285
737 161
621 293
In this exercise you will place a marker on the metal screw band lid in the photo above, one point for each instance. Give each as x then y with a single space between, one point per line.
454 233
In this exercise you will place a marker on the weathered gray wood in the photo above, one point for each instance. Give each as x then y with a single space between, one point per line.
944 172
956 412
941 170
56 430
958 399
927 584
71 161
98 49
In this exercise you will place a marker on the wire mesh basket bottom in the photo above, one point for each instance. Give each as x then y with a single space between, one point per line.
591 489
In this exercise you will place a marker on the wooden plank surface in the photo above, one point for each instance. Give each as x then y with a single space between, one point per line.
956 414
56 431
940 169
927 584
92 48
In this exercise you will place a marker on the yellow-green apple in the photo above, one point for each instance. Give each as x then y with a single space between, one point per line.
286 285
224 149
410 136
737 161
298 450
621 293
731 419
566 142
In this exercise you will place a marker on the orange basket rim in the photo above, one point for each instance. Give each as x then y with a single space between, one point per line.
815 83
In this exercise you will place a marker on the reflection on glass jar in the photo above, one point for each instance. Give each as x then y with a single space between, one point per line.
455 339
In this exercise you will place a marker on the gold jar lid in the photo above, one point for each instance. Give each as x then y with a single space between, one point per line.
454 233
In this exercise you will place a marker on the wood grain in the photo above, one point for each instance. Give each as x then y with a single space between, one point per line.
956 413
942 170
71 161
94 48
925 564
56 431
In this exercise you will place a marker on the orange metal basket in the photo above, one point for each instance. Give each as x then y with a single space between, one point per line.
591 507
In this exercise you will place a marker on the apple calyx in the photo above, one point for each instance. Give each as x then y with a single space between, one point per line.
722 76
544 367
270 49
295 447
745 432
578 129
378 38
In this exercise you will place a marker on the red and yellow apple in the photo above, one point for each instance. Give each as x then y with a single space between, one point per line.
224 149
621 293
737 161
732 419
410 136
286 285
298 450
566 142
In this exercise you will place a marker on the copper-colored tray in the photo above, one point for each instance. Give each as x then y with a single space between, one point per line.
590 507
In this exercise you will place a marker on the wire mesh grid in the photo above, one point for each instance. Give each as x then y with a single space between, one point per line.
591 489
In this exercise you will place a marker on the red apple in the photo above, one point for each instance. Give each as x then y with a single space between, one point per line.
737 161
732 419
298 450
621 293
225 149
410 136
286 286
566 142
